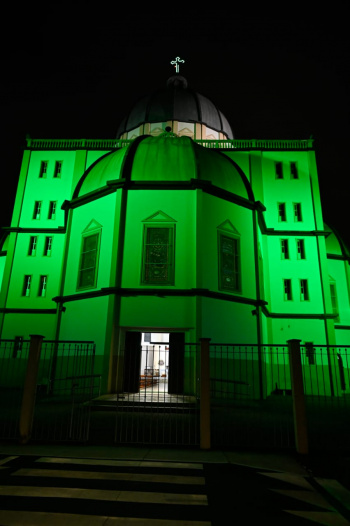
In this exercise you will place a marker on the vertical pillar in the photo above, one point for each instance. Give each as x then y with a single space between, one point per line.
29 389
299 411
205 395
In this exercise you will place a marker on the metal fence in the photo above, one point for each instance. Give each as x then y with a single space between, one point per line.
162 407
251 395
326 379
250 402
65 384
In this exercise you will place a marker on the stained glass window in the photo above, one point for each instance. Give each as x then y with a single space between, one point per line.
158 265
229 263
88 262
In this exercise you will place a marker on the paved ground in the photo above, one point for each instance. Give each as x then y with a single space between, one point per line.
70 485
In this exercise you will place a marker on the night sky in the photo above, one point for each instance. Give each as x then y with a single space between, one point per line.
74 72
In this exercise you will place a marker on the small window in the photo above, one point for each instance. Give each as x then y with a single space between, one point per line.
297 212
26 285
58 170
43 170
294 171
282 212
279 170
287 284
229 263
37 209
300 249
284 249
310 352
48 246
42 286
32 245
52 210
334 299
304 290
88 262
158 255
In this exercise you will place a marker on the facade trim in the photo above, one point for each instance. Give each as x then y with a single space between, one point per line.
7 310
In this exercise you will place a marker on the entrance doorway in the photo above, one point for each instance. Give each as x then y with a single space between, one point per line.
154 362
154 370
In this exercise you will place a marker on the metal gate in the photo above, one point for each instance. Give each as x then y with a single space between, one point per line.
160 404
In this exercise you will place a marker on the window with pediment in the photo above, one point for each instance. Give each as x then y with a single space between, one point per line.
158 250
89 256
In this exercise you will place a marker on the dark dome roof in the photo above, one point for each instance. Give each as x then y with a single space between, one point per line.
175 102
165 158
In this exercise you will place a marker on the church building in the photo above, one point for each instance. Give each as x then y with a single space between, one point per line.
173 229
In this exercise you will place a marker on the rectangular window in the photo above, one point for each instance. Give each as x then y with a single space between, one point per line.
52 210
48 246
32 245
42 286
158 255
300 249
26 285
297 212
304 290
284 249
58 170
43 170
229 263
88 262
287 284
279 170
310 352
37 209
294 171
282 212
334 299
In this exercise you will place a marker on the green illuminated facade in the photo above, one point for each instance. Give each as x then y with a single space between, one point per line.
175 227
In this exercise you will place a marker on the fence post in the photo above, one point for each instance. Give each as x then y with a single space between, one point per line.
205 395
299 411
29 389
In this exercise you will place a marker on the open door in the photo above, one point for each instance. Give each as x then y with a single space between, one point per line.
176 362
132 362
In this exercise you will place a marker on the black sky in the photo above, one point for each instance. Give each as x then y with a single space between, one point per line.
73 73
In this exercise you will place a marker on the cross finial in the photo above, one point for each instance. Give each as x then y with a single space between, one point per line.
176 63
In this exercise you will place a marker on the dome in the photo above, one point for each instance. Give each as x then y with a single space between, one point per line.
165 158
178 103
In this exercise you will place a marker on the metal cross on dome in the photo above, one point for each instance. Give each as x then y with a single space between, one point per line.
176 63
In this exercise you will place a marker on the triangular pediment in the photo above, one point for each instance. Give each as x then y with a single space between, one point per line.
186 131
159 217
93 225
157 131
228 227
